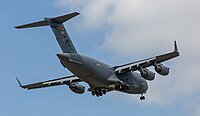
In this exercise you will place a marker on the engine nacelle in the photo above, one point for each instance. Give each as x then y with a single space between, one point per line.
76 88
146 74
161 69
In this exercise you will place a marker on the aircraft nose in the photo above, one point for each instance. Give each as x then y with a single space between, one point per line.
61 56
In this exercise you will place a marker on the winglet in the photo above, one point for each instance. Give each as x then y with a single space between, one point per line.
19 82
176 49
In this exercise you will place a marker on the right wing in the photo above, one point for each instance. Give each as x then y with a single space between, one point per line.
50 83
147 62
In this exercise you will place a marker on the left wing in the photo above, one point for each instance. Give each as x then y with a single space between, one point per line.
147 62
54 82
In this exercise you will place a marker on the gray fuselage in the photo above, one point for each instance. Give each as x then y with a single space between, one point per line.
101 75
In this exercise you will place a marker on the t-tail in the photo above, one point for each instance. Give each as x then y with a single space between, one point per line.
58 29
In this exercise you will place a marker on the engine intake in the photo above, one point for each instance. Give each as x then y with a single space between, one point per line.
161 69
146 74
76 88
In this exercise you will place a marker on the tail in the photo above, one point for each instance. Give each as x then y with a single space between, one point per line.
58 29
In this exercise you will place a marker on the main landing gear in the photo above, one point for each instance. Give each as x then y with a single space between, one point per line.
121 87
98 92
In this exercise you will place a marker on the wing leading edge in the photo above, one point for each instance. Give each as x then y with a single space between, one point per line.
147 62
50 83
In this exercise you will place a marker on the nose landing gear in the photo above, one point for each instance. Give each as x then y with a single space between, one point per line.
142 97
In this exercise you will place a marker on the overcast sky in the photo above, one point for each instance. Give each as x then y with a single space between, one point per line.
113 31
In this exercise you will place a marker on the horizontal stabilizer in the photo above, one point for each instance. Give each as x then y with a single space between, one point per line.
35 24
62 19
47 21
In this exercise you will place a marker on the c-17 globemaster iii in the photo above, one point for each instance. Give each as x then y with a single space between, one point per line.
100 77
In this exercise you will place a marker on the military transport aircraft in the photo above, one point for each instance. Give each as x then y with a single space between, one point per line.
102 78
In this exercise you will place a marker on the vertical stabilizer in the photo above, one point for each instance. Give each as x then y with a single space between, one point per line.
58 29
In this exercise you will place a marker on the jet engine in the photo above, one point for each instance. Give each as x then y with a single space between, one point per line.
161 69
76 88
146 74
